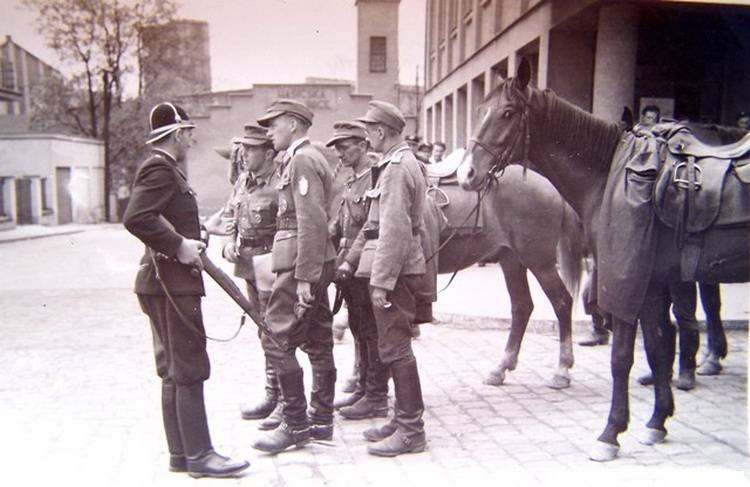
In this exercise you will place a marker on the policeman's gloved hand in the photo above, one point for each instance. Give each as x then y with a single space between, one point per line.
343 273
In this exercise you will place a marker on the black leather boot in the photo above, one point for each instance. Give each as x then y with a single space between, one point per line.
274 419
267 405
321 404
294 429
202 460
381 432
374 403
177 461
409 436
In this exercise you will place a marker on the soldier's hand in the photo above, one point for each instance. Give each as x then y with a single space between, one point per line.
380 298
231 253
304 294
219 223
189 252
343 273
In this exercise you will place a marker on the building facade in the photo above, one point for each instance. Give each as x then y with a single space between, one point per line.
690 59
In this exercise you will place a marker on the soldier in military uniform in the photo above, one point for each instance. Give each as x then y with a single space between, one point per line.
393 261
370 398
298 313
163 214
253 207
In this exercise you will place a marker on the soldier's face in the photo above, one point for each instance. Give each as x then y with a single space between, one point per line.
349 151
254 156
281 131
376 135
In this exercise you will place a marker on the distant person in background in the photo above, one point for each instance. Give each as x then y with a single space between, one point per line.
413 142
650 116
424 152
743 120
438 152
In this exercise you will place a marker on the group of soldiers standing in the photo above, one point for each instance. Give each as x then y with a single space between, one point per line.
289 249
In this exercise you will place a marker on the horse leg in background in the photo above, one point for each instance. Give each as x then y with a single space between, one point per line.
683 307
521 308
717 339
657 335
562 303
623 347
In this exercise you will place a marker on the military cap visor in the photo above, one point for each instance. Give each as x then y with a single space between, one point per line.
347 130
285 106
254 135
385 113
166 118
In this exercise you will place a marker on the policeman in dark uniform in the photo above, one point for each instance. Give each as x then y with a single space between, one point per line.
298 313
370 398
163 214
393 260
253 207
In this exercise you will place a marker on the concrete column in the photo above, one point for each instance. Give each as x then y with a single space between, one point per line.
512 63
489 83
615 61
543 60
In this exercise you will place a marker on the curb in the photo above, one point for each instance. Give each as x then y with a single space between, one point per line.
38 236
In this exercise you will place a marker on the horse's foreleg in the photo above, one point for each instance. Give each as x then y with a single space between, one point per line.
521 308
657 329
562 303
623 345
717 339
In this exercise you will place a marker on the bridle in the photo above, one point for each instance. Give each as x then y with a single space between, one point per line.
501 159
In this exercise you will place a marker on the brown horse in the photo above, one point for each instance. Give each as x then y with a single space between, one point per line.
575 150
535 230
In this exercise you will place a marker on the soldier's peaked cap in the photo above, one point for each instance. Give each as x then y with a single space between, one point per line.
164 119
385 113
282 106
347 130
254 135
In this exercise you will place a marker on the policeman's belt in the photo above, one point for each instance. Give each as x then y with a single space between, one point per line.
255 242
374 233
286 223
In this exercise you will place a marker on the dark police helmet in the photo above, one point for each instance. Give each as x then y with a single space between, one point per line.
166 118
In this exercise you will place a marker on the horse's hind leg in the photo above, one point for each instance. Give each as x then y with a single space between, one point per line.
717 339
655 324
562 303
521 308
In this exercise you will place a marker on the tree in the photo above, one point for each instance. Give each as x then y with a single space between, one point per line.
99 39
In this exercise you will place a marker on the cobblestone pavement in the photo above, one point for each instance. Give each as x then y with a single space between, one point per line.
80 398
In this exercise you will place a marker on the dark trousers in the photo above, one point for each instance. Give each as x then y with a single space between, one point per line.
359 307
394 323
179 351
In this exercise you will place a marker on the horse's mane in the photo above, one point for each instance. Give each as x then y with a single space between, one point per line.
563 121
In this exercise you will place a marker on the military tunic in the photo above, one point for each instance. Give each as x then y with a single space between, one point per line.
302 251
161 190
391 252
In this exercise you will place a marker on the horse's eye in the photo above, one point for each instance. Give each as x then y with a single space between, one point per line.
507 113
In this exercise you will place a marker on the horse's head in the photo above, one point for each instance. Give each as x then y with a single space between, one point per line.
502 134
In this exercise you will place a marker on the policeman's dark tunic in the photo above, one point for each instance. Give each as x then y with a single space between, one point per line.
302 251
161 190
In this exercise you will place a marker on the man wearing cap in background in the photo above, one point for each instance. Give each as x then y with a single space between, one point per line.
370 398
253 207
393 260
413 142
298 313
163 214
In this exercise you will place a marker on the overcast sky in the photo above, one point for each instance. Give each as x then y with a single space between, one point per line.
266 41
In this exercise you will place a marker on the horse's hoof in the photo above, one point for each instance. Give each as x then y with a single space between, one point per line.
652 436
709 368
496 378
603 452
559 382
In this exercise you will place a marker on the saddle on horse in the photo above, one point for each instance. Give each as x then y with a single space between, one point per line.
703 193
444 189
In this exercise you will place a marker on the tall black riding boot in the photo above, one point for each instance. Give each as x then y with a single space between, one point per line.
177 462
689 342
294 428
321 404
202 460
374 404
267 405
409 436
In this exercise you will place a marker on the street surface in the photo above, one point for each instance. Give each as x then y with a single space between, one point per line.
80 398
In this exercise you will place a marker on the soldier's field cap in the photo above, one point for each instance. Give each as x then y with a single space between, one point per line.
254 135
282 106
385 113
164 119
347 130
416 139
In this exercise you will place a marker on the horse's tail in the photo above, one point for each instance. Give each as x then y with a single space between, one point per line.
571 250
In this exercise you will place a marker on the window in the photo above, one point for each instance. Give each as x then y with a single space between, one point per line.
377 55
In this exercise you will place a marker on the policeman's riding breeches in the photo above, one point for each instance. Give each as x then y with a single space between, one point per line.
179 351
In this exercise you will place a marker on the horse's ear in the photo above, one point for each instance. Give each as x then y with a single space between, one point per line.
524 73
627 117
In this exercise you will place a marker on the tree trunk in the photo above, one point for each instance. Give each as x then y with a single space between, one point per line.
105 135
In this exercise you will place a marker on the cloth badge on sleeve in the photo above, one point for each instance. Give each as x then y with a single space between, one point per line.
304 186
